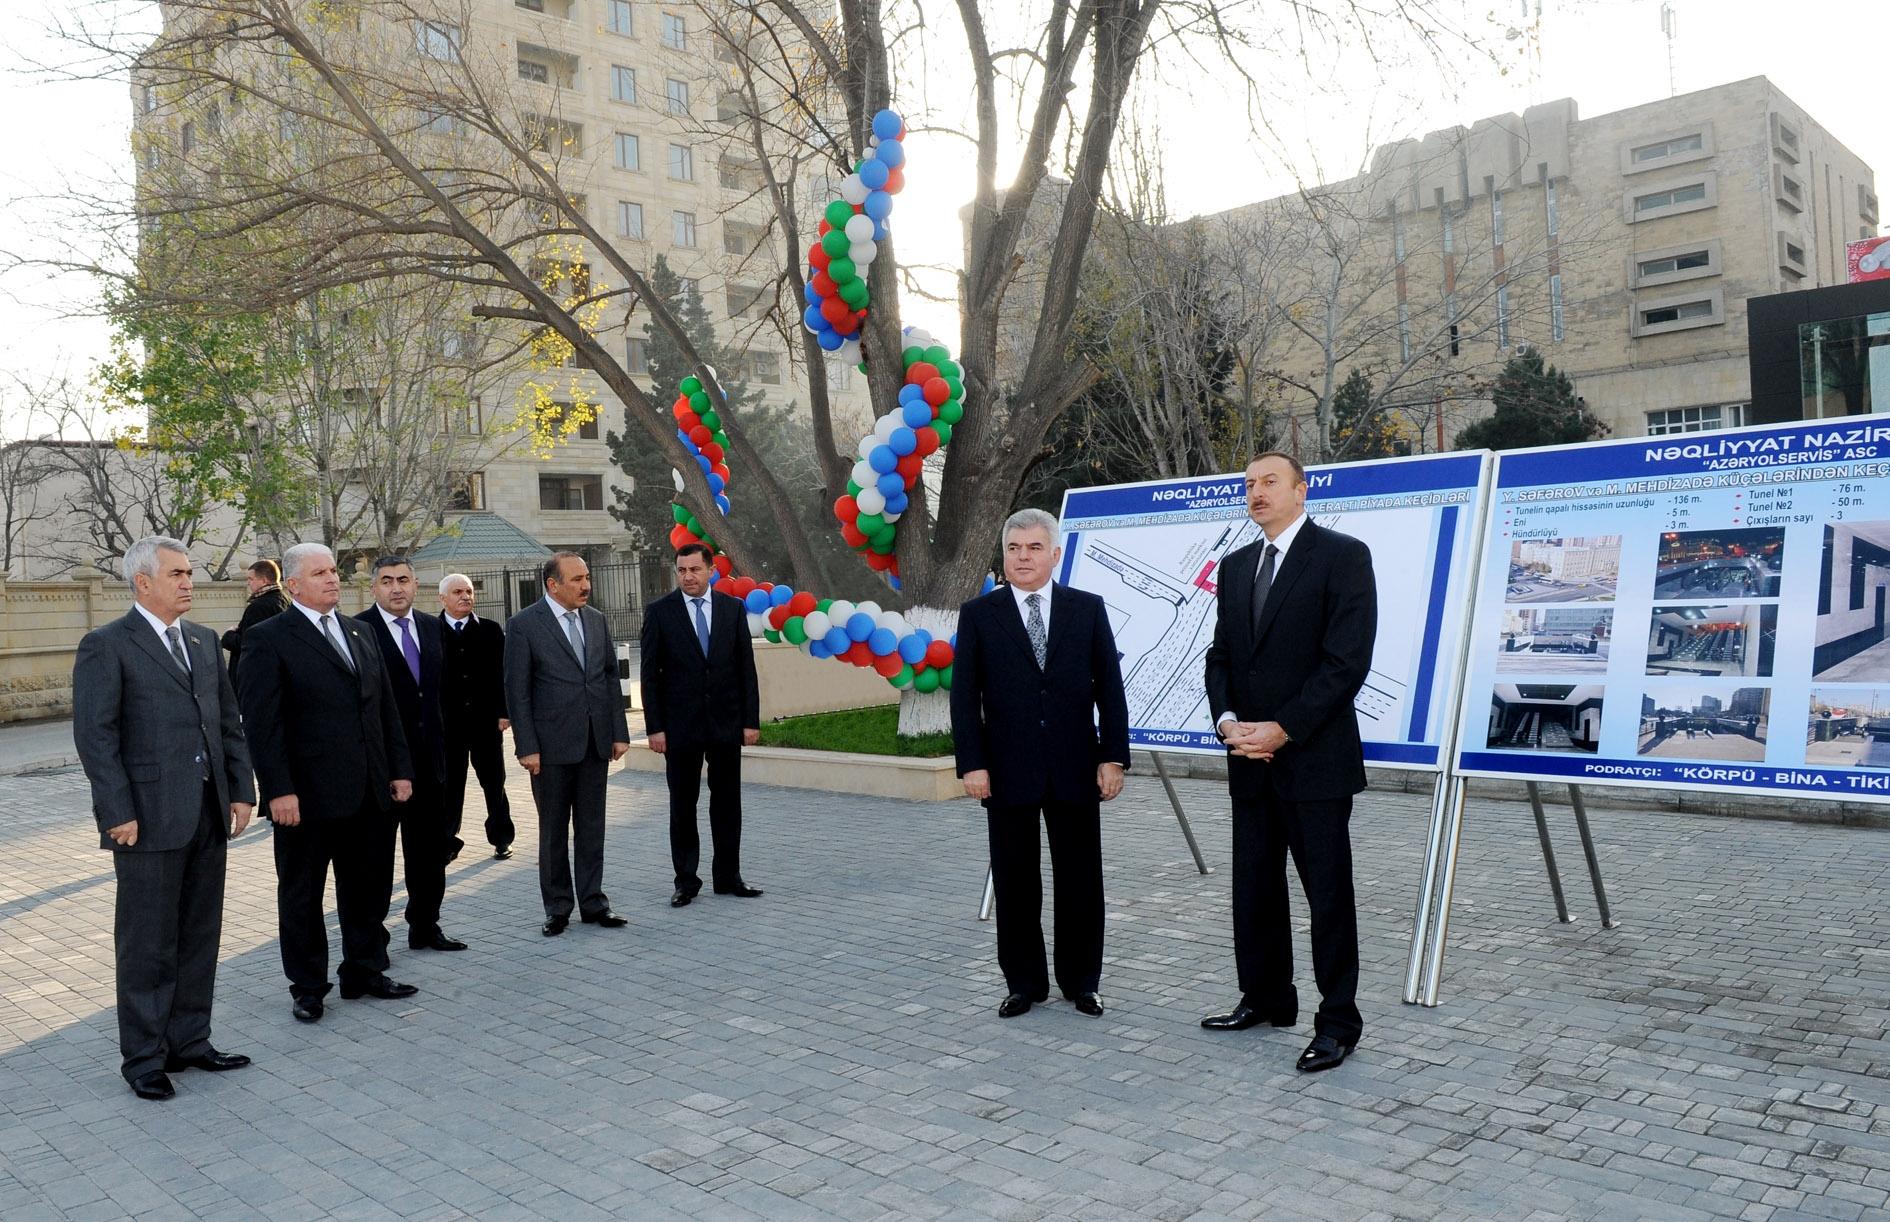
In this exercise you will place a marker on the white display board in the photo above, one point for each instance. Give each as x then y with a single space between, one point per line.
1153 550
1703 611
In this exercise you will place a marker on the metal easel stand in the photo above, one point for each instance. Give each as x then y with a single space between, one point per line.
1588 851
1181 817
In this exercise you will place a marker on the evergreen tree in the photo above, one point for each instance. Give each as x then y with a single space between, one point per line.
1359 431
1535 406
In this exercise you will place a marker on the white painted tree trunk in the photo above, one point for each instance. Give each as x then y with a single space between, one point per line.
928 712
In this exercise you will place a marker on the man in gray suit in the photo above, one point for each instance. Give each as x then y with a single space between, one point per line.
568 727
156 726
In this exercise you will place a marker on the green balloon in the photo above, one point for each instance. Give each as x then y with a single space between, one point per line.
823 604
853 489
950 369
945 675
712 420
691 384
699 399
695 527
856 294
950 412
842 270
926 681
720 439
794 630
884 542
680 514
870 524
957 385
836 243
943 430
772 635
903 679
912 356
937 355
838 213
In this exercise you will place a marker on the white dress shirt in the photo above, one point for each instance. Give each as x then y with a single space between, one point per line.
1282 543
1043 605
161 628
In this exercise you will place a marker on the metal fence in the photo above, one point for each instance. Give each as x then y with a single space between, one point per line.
620 591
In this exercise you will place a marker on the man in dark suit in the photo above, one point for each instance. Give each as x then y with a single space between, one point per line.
1297 614
331 760
1036 668
568 727
413 657
701 701
266 599
156 727
472 692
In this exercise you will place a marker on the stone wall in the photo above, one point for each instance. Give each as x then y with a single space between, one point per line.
41 623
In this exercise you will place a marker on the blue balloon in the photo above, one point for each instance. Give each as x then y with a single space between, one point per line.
879 229
894 582
909 392
721 503
859 626
818 649
882 459
917 414
879 205
756 602
912 650
830 341
892 153
903 441
898 502
779 596
715 483
990 583
813 319
874 174
702 460
924 635
837 640
882 642
886 124
890 485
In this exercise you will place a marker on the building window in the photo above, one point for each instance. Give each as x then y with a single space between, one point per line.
1404 332
1673 263
586 430
1690 143
1676 313
570 492
687 286
1688 194
1551 209
636 356
739 174
553 135
441 123
1555 307
678 95
1790 192
532 70
682 228
629 152
675 35
629 220
617 17
439 40
187 137
729 106
1450 231
1695 419
1502 316
682 163
746 299
1496 216
151 99
1794 252
469 495
460 417
765 368
740 239
1397 236
623 84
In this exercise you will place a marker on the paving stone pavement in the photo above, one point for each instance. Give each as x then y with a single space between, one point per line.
830 1050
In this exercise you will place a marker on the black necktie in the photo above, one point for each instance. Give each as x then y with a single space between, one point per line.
1262 582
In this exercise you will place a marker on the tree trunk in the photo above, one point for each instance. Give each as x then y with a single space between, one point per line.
928 712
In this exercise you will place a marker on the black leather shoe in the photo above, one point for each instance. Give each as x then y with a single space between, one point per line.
555 926
502 852
153 1085
605 919
740 889
437 940
1244 1016
380 987
1014 1005
212 1060
452 851
307 1011
1088 1003
681 898
1323 1053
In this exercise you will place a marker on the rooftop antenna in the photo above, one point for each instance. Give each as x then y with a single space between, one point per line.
1670 26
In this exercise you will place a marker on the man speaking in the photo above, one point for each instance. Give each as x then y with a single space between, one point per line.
1035 665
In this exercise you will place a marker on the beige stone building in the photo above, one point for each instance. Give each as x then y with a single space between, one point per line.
1623 247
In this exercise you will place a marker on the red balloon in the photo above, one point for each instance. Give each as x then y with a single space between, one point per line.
737 587
847 325
680 408
937 390
825 228
921 373
688 421
818 258
889 665
824 285
678 535
701 434
777 616
713 452
846 508
877 562
909 467
928 441
802 603
859 654
835 311
895 180
720 469
938 655
722 565
851 534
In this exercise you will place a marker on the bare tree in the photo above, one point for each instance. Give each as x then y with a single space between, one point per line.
25 468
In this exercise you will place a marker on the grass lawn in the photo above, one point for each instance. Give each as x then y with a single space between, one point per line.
873 731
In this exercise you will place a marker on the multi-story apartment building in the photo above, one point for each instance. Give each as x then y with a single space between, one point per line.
1623 247
641 97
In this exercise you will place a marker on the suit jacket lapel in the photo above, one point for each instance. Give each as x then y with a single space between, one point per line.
311 636
149 642
1297 558
1059 626
1013 620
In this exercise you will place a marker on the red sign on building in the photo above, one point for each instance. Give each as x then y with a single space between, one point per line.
1868 259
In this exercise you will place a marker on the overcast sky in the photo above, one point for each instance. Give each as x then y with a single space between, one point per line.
1606 54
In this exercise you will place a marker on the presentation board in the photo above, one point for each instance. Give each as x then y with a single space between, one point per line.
1699 611
1152 552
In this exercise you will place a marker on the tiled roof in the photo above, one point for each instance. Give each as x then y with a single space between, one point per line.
481 536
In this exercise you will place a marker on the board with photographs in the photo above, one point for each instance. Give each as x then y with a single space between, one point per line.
1703 611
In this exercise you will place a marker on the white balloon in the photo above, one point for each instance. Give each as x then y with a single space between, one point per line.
871 500
848 353
889 515
871 608
817 624
920 336
886 425
839 611
892 620
855 192
868 444
862 253
677 476
864 475
756 623
860 229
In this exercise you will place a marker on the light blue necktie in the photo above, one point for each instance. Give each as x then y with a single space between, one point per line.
574 634
702 628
